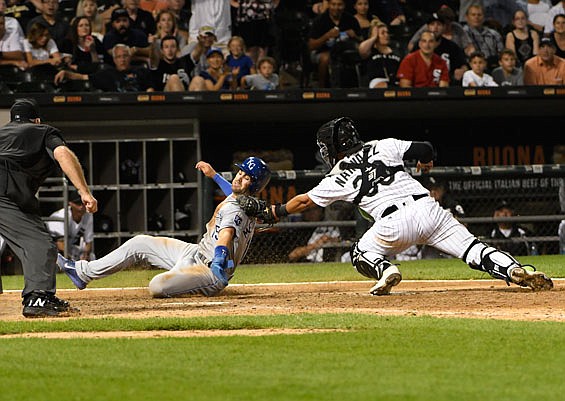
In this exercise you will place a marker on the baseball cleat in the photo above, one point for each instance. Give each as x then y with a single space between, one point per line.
527 276
67 266
391 277
44 304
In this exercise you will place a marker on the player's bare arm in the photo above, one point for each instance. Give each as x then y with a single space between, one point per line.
296 205
206 169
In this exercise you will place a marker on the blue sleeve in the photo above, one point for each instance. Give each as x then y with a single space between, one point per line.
224 184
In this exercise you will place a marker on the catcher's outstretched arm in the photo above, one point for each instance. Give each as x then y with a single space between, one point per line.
297 204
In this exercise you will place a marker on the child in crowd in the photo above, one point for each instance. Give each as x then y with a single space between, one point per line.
266 79
476 76
522 39
239 63
507 74
41 52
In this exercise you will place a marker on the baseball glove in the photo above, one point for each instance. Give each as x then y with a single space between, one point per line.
258 208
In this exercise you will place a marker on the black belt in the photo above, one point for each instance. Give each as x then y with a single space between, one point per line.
394 208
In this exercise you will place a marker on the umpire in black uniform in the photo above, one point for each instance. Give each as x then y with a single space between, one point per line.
29 151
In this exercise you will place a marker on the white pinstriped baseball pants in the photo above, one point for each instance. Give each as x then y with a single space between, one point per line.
421 221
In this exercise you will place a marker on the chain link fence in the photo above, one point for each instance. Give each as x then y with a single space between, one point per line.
533 192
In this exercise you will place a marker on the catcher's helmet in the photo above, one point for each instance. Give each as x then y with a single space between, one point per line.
259 172
337 138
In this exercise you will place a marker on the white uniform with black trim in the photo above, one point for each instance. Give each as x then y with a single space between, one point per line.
182 260
421 221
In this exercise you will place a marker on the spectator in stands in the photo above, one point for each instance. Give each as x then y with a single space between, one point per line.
106 8
215 76
85 50
122 33
439 191
139 18
320 7
170 72
499 14
42 55
507 74
205 41
122 77
558 8
166 26
89 9
313 251
154 6
486 40
362 14
80 229
381 62
12 25
452 30
558 35
216 13
538 14
505 230
388 11
422 67
523 40
58 27
11 48
23 11
237 60
545 68
254 22
453 55
476 76
265 79
182 14
327 28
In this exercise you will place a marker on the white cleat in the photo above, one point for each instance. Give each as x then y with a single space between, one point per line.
391 277
525 276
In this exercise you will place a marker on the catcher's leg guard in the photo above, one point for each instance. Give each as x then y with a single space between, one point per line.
373 265
503 266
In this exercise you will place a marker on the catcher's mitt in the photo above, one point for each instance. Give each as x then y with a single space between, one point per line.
258 208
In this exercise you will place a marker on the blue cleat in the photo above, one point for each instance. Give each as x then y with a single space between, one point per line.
67 266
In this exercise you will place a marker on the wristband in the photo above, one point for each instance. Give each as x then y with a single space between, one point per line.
221 253
280 210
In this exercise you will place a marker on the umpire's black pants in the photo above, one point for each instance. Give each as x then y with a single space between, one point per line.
27 236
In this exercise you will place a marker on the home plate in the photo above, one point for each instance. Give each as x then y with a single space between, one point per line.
208 303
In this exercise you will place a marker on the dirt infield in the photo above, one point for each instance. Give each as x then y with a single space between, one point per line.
464 299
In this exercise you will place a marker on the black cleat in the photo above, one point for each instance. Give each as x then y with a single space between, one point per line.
44 304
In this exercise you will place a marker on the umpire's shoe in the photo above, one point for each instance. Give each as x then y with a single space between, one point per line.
68 267
44 304
527 276
391 277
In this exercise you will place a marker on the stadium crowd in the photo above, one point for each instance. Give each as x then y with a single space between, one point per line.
227 45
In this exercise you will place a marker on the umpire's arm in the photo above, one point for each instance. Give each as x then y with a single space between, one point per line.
71 167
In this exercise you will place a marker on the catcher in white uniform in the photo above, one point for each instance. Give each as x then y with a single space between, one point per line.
372 176
203 268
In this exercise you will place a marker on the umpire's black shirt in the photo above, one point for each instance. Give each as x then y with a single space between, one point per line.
26 159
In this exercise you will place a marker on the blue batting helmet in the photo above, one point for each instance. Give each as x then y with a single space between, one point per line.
259 172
